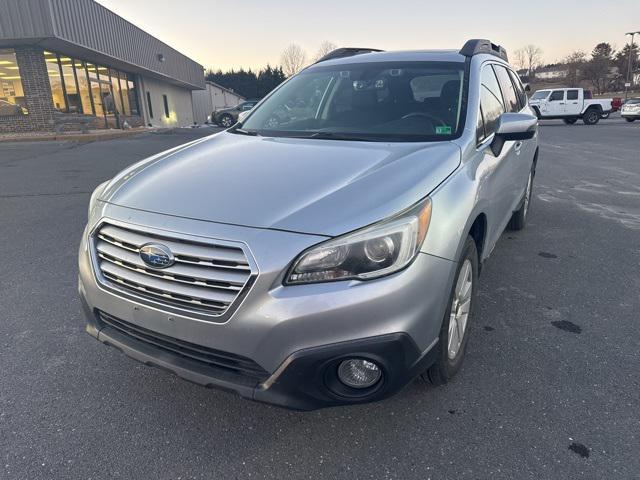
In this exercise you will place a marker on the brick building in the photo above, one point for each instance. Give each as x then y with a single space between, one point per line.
74 60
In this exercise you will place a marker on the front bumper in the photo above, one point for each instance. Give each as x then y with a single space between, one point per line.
294 335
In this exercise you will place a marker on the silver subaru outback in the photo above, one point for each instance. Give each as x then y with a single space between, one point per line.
325 250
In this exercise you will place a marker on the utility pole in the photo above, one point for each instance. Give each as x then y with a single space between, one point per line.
629 66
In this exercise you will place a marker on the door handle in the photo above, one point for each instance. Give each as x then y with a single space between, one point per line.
562 103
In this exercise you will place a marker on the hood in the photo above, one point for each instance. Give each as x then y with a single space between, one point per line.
322 187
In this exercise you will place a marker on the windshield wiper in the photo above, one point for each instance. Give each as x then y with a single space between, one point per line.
241 131
340 136
237 128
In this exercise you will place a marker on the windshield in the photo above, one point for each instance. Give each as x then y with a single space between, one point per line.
540 95
632 102
390 101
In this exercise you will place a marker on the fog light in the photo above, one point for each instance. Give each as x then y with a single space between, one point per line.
359 373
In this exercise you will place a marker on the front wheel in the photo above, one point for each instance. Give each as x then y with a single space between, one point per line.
455 325
591 117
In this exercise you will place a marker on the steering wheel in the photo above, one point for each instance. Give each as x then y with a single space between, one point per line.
427 116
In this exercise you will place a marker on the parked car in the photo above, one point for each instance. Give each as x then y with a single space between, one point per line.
630 111
570 105
330 257
228 116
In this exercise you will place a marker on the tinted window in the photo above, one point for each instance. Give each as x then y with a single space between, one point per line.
508 90
522 95
572 94
557 95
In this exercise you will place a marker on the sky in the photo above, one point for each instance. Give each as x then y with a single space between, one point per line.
251 33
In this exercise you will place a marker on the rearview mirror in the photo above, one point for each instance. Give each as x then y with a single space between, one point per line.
513 127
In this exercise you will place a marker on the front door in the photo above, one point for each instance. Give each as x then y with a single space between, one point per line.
556 104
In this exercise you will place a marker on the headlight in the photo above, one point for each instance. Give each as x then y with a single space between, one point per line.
372 252
95 195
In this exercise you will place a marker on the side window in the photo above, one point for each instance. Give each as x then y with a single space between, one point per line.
508 90
557 95
491 106
572 94
522 95
490 81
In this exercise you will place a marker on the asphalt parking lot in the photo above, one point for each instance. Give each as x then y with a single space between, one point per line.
550 388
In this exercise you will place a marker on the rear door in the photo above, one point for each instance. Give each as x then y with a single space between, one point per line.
573 102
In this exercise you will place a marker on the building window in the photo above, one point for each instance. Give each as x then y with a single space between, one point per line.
115 90
84 88
12 99
80 87
69 82
166 106
94 86
133 96
55 80
149 106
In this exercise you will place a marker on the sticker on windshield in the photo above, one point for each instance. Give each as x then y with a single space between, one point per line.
443 130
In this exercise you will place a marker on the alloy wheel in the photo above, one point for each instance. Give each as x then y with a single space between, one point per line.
460 308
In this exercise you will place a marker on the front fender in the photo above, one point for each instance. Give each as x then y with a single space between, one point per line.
457 202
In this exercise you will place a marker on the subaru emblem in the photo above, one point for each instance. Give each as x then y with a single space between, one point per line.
156 255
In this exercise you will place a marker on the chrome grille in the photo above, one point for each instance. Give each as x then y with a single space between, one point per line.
205 278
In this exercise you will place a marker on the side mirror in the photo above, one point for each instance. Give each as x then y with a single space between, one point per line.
513 127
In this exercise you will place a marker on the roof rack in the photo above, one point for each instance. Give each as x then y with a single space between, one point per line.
477 46
346 52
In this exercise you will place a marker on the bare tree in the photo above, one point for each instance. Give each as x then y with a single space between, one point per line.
532 58
325 47
520 60
575 63
293 59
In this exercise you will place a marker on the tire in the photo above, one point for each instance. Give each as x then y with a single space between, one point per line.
591 116
519 217
629 119
536 112
570 121
446 365
226 121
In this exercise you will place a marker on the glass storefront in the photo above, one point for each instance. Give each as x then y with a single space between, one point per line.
12 99
82 87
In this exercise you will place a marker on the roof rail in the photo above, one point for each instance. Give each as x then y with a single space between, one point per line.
477 46
346 52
